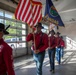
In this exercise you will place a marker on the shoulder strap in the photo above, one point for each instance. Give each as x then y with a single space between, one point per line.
40 40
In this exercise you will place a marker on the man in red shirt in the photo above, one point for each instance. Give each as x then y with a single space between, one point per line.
58 47
62 47
40 41
51 50
6 59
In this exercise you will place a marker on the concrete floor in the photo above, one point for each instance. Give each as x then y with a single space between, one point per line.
26 66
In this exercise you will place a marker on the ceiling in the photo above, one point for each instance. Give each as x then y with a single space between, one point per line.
66 8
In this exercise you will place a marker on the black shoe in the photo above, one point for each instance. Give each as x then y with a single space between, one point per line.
50 70
53 71
59 63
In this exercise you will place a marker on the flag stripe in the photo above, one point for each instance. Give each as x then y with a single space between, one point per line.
24 8
19 10
29 11
29 16
34 10
28 7
39 18
37 15
16 12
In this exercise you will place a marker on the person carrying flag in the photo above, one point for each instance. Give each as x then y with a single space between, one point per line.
58 47
62 47
51 50
40 41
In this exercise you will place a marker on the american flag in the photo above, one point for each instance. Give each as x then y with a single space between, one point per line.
29 12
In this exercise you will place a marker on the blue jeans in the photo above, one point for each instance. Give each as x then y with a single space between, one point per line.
58 55
38 58
62 52
51 53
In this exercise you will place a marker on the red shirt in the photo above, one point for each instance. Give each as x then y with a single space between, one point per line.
52 41
43 45
58 41
6 60
62 43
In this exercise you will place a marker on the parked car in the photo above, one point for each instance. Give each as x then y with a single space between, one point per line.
14 42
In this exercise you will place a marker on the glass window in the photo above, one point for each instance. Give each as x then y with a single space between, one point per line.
1 20
1 12
12 31
24 26
8 40
7 22
7 37
14 39
9 15
20 32
17 37
19 25
23 38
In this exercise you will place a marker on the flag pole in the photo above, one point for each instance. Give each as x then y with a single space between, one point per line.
34 38
32 2
50 28
49 36
33 27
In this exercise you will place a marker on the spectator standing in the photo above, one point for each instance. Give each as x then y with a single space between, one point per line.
6 56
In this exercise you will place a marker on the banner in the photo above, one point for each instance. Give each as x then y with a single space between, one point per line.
51 14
